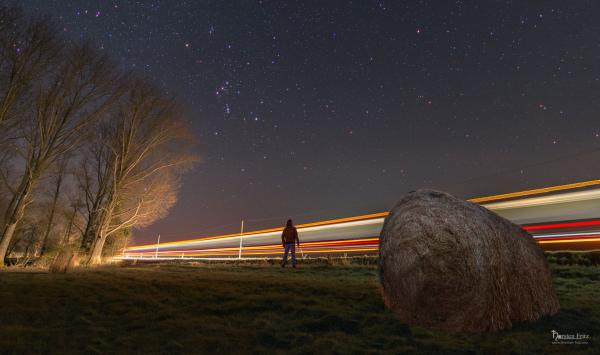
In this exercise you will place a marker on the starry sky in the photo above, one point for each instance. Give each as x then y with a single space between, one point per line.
322 109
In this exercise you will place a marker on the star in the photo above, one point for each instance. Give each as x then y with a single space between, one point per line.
332 87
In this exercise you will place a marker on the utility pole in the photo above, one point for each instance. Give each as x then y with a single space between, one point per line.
241 238
157 244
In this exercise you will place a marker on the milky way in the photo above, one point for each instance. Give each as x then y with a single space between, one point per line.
323 109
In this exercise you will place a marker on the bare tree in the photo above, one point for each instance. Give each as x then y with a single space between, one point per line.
131 173
73 227
56 99
28 47
77 92
61 169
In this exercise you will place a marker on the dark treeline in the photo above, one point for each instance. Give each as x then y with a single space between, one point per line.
87 151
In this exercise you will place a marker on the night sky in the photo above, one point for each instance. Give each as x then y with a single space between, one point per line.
324 109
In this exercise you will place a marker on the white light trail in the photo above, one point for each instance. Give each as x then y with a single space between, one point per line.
545 200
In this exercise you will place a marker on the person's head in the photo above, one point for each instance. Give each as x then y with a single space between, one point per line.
289 223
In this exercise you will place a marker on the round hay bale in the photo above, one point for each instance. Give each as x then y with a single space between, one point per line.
447 264
65 261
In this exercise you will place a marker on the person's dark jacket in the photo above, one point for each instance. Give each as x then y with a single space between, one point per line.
290 236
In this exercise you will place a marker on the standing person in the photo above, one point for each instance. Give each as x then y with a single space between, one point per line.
289 240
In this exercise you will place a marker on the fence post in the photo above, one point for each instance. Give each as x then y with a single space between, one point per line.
241 238
157 244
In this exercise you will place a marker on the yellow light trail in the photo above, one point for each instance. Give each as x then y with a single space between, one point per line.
543 190
546 200
306 245
279 251
578 240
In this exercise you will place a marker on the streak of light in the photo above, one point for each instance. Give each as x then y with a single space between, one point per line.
277 251
536 191
574 240
270 247
332 247
545 200
563 225
378 218
309 227
565 235
311 246
187 258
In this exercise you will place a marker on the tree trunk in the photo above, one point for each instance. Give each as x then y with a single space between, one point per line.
31 243
51 217
97 229
12 246
97 246
91 231
15 211
66 238
6 237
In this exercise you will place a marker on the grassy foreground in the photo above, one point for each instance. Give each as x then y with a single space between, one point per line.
254 308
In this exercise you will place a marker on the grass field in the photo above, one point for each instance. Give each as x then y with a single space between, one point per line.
219 308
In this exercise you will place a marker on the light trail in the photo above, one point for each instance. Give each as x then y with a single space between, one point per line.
539 215
374 218
563 225
574 240
540 191
564 235
546 200
337 246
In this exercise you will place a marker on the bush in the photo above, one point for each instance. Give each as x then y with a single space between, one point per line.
590 258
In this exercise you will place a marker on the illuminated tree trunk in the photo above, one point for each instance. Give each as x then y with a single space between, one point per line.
89 234
99 236
97 246
14 213
8 233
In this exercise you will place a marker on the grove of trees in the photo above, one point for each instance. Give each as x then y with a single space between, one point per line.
88 151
